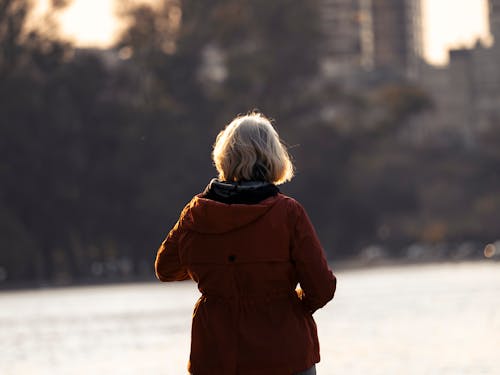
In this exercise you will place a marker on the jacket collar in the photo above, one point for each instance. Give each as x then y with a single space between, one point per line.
240 192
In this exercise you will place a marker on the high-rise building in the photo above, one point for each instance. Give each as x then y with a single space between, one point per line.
341 25
466 93
396 27
371 35
494 15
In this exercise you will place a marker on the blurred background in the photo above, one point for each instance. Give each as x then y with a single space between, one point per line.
108 112
391 110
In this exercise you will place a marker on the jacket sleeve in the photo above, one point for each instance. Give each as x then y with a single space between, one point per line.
317 281
168 266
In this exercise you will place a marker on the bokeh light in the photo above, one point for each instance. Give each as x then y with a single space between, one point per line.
490 250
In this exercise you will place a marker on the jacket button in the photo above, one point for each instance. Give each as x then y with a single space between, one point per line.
231 258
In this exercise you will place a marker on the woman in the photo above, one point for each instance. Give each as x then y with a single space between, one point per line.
247 246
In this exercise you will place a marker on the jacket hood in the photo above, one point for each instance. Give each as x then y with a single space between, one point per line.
247 192
207 216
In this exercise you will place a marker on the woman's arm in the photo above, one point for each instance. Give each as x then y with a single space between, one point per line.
316 280
168 266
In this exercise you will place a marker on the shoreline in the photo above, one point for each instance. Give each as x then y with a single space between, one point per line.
360 265
351 265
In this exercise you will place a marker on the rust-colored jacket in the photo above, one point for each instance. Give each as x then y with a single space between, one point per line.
247 260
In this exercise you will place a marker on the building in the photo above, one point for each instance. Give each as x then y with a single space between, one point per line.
466 93
494 18
372 35
341 26
397 41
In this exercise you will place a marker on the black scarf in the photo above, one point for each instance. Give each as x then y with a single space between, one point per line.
241 192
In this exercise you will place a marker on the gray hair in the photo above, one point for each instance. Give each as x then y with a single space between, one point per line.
249 148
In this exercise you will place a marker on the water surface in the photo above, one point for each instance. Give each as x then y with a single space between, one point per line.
434 319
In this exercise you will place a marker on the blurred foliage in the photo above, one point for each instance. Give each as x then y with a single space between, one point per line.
100 150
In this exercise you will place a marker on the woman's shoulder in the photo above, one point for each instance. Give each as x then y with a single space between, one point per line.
286 198
290 202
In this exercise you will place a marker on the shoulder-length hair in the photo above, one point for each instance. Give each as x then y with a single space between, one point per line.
249 149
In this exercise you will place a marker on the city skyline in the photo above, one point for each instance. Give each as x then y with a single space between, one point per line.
467 23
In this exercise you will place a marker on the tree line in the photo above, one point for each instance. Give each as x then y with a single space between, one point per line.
100 150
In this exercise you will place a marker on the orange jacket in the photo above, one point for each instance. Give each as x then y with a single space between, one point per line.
247 260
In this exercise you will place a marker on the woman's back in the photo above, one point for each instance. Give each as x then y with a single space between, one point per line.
239 250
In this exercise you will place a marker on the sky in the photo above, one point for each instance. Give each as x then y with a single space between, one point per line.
446 23
453 23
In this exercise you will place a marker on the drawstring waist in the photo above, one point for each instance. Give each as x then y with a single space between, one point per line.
250 298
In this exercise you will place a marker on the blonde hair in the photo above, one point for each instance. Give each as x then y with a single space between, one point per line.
249 148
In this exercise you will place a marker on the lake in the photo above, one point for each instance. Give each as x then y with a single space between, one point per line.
426 319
